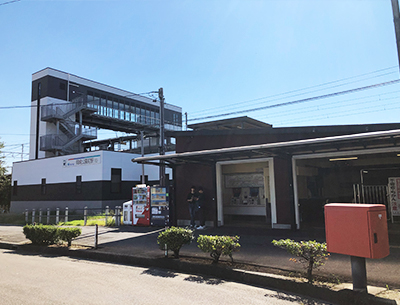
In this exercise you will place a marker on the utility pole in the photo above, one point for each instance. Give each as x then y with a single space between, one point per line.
186 119
396 20
142 151
162 145
39 94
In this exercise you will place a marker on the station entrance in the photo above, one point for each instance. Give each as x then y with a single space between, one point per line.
245 192
341 179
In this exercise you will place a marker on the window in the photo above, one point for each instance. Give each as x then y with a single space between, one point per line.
148 117
78 184
90 96
157 118
15 187
116 180
143 116
109 107
127 112
175 119
103 105
138 120
122 110
43 187
132 109
90 99
115 108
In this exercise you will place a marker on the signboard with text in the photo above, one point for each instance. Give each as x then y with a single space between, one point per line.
81 161
394 196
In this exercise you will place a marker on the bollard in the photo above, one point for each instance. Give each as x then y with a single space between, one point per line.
66 214
166 250
84 216
107 211
48 215
117 216
40 215
96 237
26 215
33 216
57 215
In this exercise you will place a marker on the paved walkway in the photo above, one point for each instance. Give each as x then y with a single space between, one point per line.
256 248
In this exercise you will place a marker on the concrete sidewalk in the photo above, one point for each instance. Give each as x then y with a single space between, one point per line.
256 249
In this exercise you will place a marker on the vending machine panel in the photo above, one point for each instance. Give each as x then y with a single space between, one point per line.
141 205
159 206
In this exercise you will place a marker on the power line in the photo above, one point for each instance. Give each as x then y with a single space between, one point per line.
348 114
309 99
296 111
300 94
12 145
334 107
9 2
303 89
13 152
65 103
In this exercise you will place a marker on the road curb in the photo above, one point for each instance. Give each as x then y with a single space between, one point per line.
345 296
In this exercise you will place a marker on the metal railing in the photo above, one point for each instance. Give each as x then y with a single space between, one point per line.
64 111
112 217
370 194
61 141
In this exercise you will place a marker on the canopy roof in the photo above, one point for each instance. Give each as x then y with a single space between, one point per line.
342 144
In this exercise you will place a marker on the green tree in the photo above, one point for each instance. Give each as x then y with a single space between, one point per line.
5 182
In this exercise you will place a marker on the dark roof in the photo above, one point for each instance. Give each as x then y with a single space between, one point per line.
319 131
243 122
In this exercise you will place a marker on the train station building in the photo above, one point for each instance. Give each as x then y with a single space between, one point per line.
254 173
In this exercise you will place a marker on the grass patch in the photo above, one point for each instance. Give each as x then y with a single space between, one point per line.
91 221
19 219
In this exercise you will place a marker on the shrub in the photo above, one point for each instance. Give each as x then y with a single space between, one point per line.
50 235
68 234
41 234
311 253
218 245
174 238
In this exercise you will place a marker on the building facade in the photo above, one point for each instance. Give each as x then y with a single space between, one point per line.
68 165
67 110
93 179
253 173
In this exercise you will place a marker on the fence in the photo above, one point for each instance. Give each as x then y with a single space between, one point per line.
47 216
372 194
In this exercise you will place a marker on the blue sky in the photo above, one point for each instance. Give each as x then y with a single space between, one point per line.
211 57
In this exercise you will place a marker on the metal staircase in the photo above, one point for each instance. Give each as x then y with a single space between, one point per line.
70 133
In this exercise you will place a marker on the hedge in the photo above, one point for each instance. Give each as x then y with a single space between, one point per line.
50 235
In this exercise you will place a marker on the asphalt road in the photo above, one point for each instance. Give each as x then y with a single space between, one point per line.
32 279
256 249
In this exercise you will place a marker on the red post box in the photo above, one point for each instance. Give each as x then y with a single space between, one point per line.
357 229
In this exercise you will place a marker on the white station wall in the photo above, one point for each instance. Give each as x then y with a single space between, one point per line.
92 166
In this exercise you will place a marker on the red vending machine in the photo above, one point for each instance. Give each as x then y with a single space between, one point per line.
141 205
